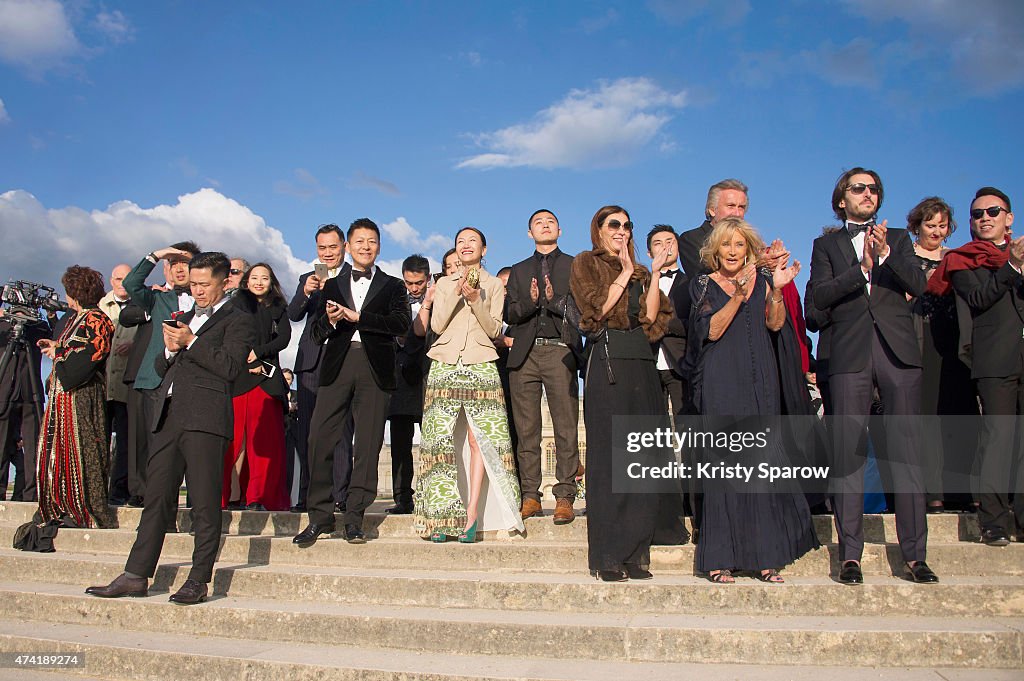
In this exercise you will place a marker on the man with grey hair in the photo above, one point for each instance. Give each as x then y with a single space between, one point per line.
117 391
239 266
726 199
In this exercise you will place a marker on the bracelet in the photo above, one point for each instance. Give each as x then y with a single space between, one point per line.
152 258
615 283
776 300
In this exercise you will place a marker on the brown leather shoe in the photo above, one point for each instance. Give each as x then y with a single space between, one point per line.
530 508
563 512
123 585
190 593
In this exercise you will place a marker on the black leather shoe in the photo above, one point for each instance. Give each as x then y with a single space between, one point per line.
136 501
994 538
255 506
312 531
123 585
921 573
612 576
298 508
636 572
851 573
190 593
340 507
400 509
354 535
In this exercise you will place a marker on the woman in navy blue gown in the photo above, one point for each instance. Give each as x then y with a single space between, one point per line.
737 308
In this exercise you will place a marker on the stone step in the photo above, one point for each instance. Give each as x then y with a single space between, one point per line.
969 597
943 527
961 558
727 639
124 655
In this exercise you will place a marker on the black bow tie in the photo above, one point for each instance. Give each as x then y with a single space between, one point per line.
358 274
854 229
415 301
670 273
183 289
200 311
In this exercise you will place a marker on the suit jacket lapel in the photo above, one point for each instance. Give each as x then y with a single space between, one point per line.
376 285
215 318
846 247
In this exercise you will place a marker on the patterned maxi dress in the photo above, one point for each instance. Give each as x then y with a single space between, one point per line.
73 454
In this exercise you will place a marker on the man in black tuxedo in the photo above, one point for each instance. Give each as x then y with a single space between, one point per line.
995 295
205 349
861 277
364 309
545 355
20 409
411 368
306 305
726 199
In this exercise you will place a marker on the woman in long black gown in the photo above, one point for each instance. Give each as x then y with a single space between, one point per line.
736 374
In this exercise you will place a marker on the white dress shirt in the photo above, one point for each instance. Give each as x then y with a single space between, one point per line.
196 324
359 289
665 284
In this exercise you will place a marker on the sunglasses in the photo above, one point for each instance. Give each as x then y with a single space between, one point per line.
235 271
615 225
993 212
860 187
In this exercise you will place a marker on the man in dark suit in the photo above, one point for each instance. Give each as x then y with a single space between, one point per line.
21 404
306 305
544 356
726 199
995 295
860 278
204 350
364 309
411 367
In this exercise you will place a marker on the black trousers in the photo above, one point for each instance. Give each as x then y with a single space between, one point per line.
21 420
200 458
402 430
309 384
117 425
352 396
1000 451
140 407
670 528
899 386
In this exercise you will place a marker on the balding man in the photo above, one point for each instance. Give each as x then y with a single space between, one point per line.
117 392
726 199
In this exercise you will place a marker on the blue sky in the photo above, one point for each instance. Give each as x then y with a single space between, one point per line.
125 126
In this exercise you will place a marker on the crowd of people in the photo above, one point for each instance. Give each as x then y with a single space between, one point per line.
187 375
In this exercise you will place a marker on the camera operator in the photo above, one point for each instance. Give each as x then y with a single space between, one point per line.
20 413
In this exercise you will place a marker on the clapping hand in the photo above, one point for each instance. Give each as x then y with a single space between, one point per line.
773 254
1017 252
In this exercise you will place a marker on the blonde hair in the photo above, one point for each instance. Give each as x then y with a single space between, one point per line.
722 231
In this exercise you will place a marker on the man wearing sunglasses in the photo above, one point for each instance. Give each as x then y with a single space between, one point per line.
861 276
986 273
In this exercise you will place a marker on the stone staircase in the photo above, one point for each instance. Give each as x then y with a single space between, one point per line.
402 609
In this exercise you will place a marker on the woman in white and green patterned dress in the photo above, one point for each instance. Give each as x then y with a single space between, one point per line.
466 477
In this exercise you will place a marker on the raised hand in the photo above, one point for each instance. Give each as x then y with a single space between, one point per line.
625 260
534 290
549 290
880 245
663 256
1017 252
783 275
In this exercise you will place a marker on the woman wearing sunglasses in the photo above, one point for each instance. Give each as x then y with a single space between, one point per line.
623 312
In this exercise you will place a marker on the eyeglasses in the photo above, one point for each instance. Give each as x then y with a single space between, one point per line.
235 271
615 225
993 212
860 187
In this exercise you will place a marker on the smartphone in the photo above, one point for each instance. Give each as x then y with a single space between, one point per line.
267 369
437 277
171 322
320 270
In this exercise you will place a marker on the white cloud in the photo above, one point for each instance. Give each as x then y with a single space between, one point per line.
306 186
361 180
408 237
50 239
606 127
36 34
115 26
981 39
4 116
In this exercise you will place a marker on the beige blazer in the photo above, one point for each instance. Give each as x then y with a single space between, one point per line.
466 331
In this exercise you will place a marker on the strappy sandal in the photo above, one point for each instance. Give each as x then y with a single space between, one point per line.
770 576
721 577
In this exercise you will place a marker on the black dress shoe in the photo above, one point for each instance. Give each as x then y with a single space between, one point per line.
255 506
400 509
135 501
994 538
637 572
190 593
312 531
123 585
851 573
612 576
235 506
921 573
298 508
354 535
340 507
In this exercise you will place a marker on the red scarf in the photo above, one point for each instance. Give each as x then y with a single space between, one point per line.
970 256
